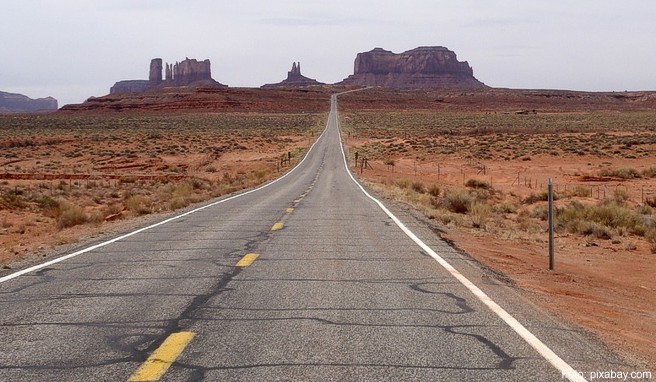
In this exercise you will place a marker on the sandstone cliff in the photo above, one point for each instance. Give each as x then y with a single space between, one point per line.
420 68
294 79
189 72
18 103
130 86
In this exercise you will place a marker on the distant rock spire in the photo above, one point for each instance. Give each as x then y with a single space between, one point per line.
296 71
294 79
155 76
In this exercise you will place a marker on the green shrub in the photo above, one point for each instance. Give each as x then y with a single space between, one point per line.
579 218
651 239
475 183
434 190
651 201
49 206
418 187
506 208
534 198
178 202
458 201
597 230
480 213
183 195
128 180
403 183
540 212
621 196
649 172
138 204
96 217
203 184
70 215
623 173
260 174
13 199
581 192
183 190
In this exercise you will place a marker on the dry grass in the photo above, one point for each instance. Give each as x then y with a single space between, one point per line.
68 170
499 136
392 136
622 173
475 183
480 213
139 204
457 201
603 220
69 215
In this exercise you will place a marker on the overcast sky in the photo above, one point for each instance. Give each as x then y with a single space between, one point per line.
74 49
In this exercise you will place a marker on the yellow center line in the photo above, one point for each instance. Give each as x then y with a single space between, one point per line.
247 260
290 210
277 226
159 362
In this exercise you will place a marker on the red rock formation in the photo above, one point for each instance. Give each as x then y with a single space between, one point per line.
155 76
420 68
18 103
211 99
295 79
130 86
189 72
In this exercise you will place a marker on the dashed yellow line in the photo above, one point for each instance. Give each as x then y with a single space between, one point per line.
289 210
159 362
247 260
277 226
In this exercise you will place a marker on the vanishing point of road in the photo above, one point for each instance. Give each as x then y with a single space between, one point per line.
307 278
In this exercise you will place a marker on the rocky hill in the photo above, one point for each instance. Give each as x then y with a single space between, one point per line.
420 68
189 72
18 103
294 79
210 99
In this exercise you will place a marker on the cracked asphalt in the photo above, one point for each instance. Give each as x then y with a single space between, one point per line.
337 293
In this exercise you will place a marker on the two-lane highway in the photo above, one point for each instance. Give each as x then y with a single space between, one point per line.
307 278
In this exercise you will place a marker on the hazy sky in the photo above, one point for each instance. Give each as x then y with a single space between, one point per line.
73 49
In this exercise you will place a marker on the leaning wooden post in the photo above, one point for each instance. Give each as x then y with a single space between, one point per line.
551 224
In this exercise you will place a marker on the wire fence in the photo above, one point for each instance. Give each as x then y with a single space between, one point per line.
639 190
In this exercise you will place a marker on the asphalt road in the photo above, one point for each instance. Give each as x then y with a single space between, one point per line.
337 292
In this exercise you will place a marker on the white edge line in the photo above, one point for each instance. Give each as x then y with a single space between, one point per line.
566 370
125 236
